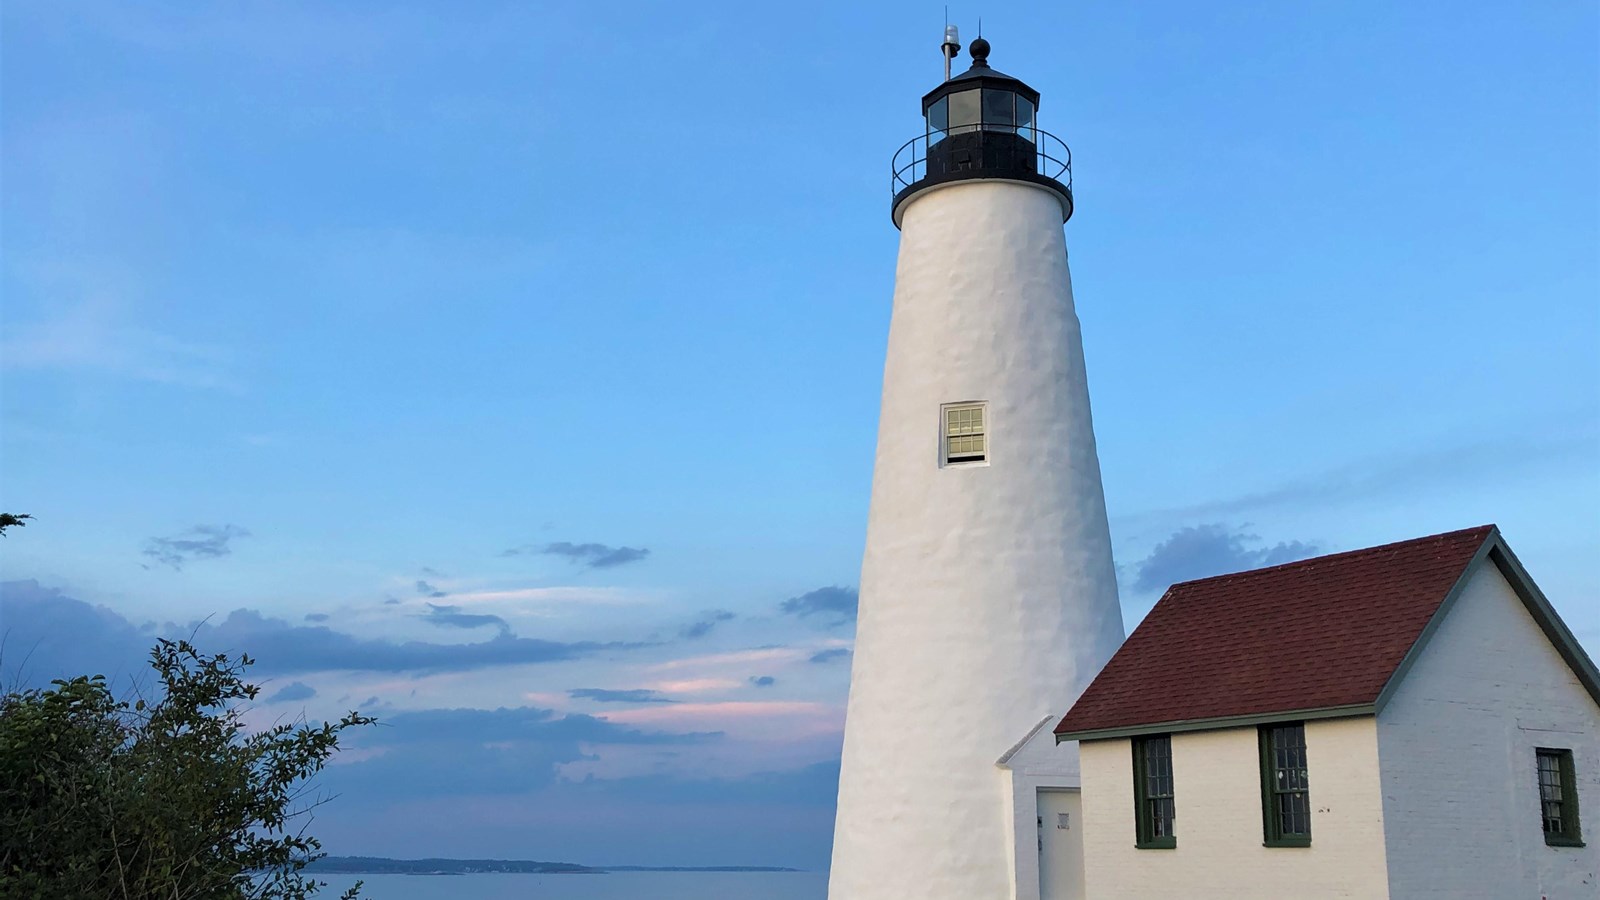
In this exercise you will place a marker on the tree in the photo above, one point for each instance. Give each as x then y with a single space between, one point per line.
13 520
173 799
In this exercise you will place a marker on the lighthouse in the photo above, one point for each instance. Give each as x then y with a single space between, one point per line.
988 594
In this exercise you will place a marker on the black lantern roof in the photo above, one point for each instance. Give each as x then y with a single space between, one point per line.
980 75
981 125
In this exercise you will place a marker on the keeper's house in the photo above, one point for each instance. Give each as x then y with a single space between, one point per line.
1407 721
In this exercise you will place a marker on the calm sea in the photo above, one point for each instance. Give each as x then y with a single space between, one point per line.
615 886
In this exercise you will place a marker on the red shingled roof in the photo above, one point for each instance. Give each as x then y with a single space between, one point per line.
1316 634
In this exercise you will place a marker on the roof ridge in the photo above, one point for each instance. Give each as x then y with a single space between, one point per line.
1361 551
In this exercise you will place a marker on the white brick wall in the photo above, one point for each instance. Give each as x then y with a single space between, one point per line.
1218 797
1457 748
1038 762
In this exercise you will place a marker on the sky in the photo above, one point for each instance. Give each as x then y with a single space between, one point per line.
510 371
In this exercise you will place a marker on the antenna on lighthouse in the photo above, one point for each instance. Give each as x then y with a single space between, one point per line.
952 44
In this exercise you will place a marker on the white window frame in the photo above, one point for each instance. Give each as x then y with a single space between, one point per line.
944 433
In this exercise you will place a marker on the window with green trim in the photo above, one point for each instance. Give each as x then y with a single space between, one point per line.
1285 787
1154 811
1558 798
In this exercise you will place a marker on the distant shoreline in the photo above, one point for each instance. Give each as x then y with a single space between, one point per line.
381 865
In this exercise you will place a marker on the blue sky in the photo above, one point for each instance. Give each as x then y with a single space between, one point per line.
512 370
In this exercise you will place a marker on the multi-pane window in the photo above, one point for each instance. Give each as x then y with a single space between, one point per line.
965 438
1152 792
1558 798
1285 789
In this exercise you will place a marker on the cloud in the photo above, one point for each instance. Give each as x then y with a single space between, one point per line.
697 685
60 636
830 654
45 634
1515 448
1201 551
199 542
703 627
593 556
762 681
428 590
837 603
740 659
817 783
604 695
294 690
281 647
96 336
480 751
316 617
453 617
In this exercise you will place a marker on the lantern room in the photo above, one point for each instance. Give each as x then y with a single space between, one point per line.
981 124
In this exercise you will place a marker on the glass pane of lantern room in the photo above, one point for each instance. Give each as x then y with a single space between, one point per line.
1025 118
998 112
964 112
938 119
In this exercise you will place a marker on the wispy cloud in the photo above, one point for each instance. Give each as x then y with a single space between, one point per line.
593 556
427 589
70 637
696 685
558 596
1201 551
762 681
731 659
281 647
632 695
1429 469
482 751
317 617
803 715
294 690
453 617
199 542
701 628
836 604
830 654
97 338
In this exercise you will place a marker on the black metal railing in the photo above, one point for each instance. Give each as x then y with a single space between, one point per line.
974 152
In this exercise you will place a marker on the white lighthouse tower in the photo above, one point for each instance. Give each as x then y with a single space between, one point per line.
988 595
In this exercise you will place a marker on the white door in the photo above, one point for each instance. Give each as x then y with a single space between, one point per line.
1060 845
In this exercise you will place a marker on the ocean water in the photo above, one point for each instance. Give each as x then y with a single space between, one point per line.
612 886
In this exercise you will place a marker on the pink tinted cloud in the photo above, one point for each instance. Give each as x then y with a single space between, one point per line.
773 719
695 685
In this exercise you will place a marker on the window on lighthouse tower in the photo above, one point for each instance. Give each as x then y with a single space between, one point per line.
966 438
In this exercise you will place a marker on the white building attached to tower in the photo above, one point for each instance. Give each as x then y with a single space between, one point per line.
988 593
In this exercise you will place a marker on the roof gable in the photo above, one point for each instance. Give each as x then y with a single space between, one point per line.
1317 638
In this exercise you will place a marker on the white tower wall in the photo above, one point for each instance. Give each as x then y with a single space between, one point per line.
988 594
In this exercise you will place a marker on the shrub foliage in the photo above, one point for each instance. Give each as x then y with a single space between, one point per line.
173 798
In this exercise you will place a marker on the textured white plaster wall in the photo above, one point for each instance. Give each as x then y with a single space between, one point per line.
1457 744
988 594
1217 792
